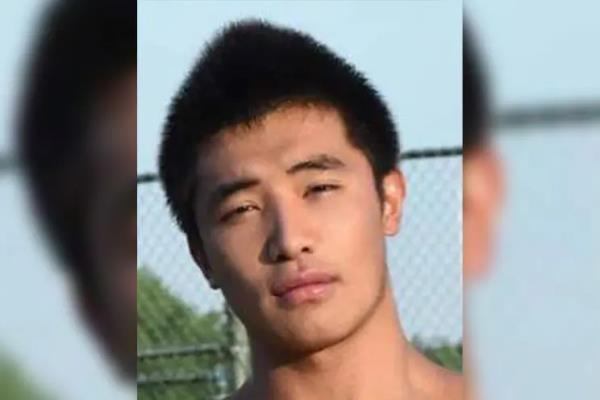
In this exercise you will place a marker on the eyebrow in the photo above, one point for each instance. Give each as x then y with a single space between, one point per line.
320 162
225 190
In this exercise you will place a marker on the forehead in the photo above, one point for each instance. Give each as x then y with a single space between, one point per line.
277 140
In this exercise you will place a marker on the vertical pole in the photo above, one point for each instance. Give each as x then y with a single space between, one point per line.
230 362
241 353
237 361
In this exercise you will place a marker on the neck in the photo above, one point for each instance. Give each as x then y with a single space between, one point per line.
372 363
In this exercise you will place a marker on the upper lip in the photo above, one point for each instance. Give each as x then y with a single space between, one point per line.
281 287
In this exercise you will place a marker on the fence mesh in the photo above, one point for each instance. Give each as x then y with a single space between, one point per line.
190 346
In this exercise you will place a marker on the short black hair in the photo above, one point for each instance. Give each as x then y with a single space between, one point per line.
79 49
476 103
249 69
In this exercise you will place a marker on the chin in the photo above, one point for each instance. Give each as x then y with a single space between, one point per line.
308 341
310 335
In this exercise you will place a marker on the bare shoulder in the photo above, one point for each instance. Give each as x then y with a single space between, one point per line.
436 382
449 384
453 385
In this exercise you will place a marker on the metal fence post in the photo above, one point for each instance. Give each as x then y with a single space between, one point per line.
230 375
237 355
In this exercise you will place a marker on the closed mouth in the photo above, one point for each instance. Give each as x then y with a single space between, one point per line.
286 286
306 287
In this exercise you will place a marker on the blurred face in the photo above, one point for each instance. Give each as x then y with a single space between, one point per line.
292 228
112 221
482 192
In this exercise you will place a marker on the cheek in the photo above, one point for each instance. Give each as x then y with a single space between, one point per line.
236 266
352 230
235 258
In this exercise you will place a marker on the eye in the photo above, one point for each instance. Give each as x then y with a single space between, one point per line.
238 211
321 188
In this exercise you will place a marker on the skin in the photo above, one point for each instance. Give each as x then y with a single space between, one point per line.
111 224
323 216
483 190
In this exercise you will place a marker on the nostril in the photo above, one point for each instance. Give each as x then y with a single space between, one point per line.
282 258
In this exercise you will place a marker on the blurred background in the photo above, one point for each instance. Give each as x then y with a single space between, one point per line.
46 350
188 343
534 320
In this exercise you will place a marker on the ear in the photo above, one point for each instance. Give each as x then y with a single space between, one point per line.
393 189
483 186
483 192
199 255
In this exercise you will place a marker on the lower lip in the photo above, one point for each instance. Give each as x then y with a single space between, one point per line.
307 293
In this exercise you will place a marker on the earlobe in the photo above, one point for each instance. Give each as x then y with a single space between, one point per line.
199 255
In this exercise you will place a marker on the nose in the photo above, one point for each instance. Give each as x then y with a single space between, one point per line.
291 234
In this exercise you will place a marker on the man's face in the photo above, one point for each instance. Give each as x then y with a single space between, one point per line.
292 228
112 221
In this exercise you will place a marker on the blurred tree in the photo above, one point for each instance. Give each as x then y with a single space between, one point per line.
15 384
444 354
180 351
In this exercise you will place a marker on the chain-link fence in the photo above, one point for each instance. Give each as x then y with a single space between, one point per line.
190 346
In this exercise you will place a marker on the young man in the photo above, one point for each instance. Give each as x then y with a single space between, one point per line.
482 183
77 140
279 161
